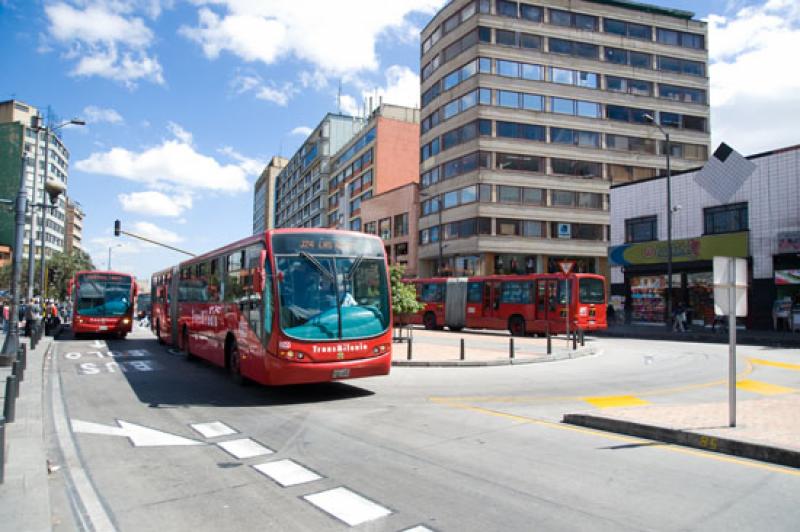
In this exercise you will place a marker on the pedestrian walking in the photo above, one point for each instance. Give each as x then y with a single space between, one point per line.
679 318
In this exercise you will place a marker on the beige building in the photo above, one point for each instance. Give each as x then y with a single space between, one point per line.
73 228
531 111
392 215
264 195
19 114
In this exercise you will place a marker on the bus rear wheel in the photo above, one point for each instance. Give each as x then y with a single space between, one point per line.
235 364
185 345
429 320
159 338
516 326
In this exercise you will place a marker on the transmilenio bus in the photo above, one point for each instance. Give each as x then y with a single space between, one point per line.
521 304
286 306
102 302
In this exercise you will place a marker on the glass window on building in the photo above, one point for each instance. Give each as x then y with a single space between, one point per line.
725 219
401 224
643 229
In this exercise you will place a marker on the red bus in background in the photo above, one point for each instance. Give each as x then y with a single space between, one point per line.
287 306
102 302
521 304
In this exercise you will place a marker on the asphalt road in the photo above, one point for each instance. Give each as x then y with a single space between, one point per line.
456 449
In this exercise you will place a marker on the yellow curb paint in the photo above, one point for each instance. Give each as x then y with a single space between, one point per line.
613 401
782 365
764 388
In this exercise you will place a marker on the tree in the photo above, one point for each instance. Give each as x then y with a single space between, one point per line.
404 295
61 267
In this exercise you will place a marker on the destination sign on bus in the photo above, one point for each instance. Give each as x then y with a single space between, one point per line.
102 277
326 244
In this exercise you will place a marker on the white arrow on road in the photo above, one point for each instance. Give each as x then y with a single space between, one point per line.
98 344
140 436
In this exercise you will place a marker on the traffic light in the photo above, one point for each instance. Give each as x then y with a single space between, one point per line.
117 227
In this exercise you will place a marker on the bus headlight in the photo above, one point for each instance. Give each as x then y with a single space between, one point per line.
126 321
583 311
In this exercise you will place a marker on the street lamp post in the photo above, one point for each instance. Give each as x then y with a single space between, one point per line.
669 220
11 343
53 188
108 264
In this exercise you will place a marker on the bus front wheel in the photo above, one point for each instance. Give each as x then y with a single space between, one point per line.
235 364
429 320
516 326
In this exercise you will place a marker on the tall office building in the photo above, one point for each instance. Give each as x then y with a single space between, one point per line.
382 156
300 188
530 112
264 195
18 137
73 227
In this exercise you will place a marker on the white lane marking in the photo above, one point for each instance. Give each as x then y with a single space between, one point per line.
98 344
99 519
140 436
244 448
418 528
347 506
213 429
287 472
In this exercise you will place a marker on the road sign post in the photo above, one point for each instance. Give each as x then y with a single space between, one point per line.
566 267
730 297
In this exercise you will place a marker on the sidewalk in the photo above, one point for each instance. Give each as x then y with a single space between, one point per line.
702 334
482 348
766 429
24 496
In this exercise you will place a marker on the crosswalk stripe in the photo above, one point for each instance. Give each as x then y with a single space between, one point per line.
213 429
613 401
347 506
764 388
244 448
782 365
287 472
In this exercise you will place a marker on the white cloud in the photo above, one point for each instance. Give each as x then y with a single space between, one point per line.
155 203
302 131
95 115
402 88
349 105
180 133
753 85
279 95
275 95
172 164
249 165
154 232
106 39
335 37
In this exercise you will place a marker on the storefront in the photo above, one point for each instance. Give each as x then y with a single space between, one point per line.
644 268
786 267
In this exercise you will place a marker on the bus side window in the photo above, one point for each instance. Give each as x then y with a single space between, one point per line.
541 295
267 300
487 295
474 292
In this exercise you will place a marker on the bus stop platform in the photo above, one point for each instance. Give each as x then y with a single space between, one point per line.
472 348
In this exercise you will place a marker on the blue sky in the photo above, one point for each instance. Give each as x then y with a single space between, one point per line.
186 100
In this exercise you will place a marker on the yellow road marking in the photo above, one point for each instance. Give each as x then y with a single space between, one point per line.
764 388
612 401
629 439
783 365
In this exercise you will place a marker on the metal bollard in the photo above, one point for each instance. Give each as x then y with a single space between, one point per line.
462 349
10 407
408 350
511 347
549 342
574 341
2 449
16 369
22 356
583 340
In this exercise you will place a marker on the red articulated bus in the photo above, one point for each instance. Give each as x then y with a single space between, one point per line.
287 306
521 304
102 302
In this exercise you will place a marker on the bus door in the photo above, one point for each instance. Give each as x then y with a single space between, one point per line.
492 314
172 305
477 304
455 302
548 309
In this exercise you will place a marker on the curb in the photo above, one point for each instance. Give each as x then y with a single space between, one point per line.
687 438
787 343
578 353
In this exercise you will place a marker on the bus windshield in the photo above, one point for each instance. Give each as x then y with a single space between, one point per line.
591 290
325 297
103 295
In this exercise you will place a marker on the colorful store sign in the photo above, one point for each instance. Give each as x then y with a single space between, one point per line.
789 242
686 250
783 277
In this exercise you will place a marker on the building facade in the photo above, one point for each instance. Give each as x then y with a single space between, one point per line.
733 206
531 111
18 138
392 215
382 156
264 195
301 186
73 227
